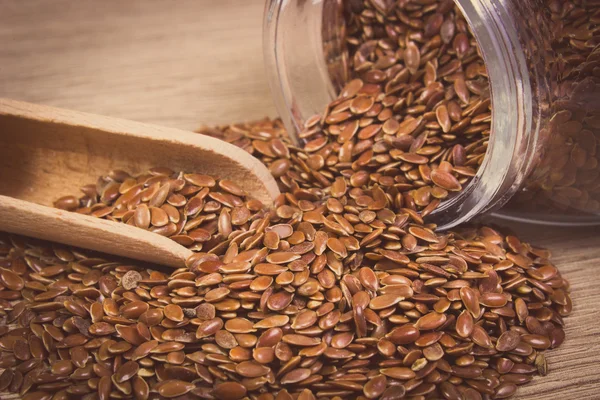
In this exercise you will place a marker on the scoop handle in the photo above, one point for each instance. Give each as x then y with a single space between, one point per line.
30 219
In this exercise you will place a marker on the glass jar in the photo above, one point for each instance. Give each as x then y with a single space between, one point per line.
543 65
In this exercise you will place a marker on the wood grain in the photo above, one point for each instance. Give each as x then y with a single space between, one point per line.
174 63
189 63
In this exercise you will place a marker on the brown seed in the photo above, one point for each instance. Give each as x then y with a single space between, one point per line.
63 368
464 324
433 320
209 327
404 334
69 203
141 390
493 299
361 104
481 338
282 258
229 391
385 301
263 355
6 378
251 369
368 279
152 317
174 388
270 322
557 337
271 240
200 180
126 371
158 217
21 350
301 340
130 334
159 196
412 57
173 312
394 392
231 187
177 357
400 373
104 388
143 350
304 319
508 341
134 309
443 118
342 340
279 301
306 394
470 372
445 180
239 325
433 352
11 280
505 390
536 341
469 299
295 376
142 216
450 391
375 387
504 365
521 309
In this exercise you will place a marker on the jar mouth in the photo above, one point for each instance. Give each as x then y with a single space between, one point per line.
512 127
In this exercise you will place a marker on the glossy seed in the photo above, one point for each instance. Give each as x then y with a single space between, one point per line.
230 391
174 388
375 387
400 373
464 324
251 369
173 312
404 334
141 390
295 376
508 341
430 321
11 280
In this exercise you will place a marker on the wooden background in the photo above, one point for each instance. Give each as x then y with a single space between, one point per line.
187 63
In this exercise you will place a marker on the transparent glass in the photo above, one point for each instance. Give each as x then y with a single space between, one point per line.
543 65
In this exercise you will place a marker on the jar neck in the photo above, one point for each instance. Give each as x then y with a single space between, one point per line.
515 62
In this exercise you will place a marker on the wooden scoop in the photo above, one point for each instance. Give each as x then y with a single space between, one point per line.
47 153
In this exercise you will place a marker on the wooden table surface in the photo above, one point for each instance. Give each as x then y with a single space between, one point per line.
187 63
